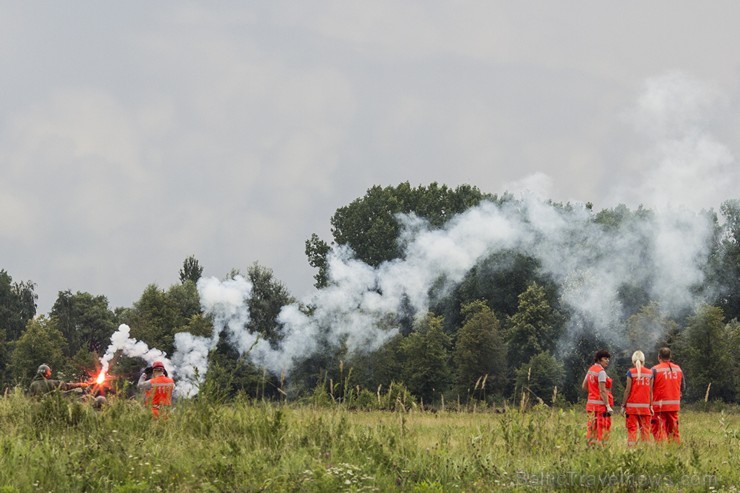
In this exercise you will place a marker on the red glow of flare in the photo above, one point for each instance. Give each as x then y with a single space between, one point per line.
101 378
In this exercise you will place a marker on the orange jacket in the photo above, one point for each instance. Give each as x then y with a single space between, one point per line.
595 402
161 391
667 379
638 401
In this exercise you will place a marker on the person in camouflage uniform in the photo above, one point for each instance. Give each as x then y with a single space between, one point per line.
43 384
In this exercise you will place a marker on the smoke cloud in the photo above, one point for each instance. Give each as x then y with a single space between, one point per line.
666 250
122 342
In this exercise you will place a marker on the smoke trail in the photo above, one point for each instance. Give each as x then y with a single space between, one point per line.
226 302
121 341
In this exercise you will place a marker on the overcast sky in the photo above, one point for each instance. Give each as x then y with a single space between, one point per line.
134 134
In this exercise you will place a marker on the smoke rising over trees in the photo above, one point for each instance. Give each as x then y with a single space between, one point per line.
464 304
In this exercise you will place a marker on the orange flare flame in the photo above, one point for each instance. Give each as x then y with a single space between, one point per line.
101 378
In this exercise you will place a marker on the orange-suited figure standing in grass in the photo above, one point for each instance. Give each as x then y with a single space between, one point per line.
668 382
638 393
158 389
600 399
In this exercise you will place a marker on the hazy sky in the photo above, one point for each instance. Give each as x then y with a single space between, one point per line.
134 134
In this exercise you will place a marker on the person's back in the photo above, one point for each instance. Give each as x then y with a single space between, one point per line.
158 389
668 382
667 379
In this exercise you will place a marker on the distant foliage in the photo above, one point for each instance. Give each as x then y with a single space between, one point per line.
540 379
508 325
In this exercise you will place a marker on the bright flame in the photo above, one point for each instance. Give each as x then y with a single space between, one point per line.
101 378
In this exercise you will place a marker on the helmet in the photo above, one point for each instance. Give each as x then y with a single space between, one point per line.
43 370
158 364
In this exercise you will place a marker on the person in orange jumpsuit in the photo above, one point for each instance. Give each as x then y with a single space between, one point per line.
638 394
600 399
668 383
158 389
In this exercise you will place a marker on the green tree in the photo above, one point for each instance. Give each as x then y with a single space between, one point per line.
191 270
185 301
17 305
85 321
540 376
268 297
706 354
154 319
317 251
41 342
534 328
369 225
727 273
426 371
480 353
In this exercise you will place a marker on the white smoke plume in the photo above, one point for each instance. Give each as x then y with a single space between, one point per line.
226 302
665 250
121 341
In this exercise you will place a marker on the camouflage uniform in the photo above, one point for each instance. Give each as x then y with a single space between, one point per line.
41 386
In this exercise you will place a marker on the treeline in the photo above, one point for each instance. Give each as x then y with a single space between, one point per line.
502 333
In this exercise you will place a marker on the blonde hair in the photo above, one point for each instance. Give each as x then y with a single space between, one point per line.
638 359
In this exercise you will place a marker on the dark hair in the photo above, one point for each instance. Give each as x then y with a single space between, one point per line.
664 353
601 353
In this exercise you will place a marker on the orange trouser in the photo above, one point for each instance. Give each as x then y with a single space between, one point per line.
638 422
598 426
665 426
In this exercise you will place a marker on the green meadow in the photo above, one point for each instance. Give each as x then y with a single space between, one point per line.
62 444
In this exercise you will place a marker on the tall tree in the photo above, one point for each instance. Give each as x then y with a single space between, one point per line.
534 328
317 251
727 273
85 320
41 342
369 225
426 372
269 296
154 319
191 270
17 304
480 353
706 354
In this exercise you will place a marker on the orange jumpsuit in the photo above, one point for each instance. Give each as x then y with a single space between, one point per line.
599 422
667 384
637 407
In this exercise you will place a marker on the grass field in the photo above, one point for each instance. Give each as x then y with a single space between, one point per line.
61 444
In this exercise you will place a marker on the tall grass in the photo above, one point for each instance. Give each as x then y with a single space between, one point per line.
61 444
